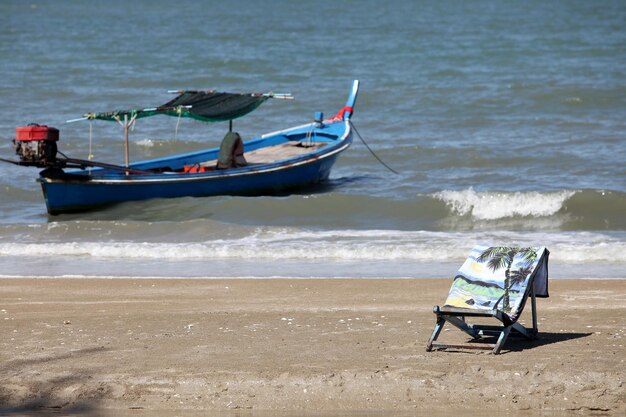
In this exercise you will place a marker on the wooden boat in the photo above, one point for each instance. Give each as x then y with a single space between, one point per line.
276 163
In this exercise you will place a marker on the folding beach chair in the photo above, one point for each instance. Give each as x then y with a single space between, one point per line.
494 282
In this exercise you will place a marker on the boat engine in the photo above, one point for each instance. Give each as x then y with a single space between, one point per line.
36 145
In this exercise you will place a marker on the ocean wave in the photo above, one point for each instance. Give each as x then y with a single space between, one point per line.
492 205
337 246
532 210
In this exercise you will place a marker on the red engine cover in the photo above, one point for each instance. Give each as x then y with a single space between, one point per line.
36 132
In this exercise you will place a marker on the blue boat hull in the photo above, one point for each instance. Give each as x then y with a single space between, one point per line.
63 196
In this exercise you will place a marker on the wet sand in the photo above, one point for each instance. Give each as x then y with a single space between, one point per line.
141 346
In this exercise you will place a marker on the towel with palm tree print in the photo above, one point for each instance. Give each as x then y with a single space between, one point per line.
497 278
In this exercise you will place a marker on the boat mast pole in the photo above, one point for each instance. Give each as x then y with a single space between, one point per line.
126 124
126 151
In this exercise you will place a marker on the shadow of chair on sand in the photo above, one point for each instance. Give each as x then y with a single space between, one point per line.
519 344
543 339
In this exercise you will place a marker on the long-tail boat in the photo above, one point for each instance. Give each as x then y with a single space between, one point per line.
275 163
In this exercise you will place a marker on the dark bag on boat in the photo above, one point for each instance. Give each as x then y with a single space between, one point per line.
231 152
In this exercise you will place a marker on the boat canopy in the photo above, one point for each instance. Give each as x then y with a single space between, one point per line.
207 106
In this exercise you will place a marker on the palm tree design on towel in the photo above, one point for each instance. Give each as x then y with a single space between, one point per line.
498 257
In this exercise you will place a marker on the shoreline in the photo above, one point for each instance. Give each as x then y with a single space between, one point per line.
112 344
262 278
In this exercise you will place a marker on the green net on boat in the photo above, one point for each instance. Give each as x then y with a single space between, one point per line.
207 106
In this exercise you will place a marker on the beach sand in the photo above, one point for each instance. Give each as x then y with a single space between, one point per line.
141 346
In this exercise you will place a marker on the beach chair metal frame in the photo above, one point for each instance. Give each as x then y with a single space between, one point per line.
456 317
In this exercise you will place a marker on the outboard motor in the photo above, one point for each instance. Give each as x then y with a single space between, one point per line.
36 145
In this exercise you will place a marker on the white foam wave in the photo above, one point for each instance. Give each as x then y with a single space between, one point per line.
147 143
499 205
231 250
336 246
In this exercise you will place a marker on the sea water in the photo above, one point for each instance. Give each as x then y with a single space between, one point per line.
506 123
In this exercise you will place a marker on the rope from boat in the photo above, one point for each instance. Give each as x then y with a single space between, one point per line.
370 149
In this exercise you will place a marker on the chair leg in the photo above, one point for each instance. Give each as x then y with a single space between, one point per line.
533 301
527 333
438 326
502 339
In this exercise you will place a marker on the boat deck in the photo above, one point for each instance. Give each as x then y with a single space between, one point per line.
282 151
275 153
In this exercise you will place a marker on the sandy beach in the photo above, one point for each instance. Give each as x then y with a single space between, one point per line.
141 346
